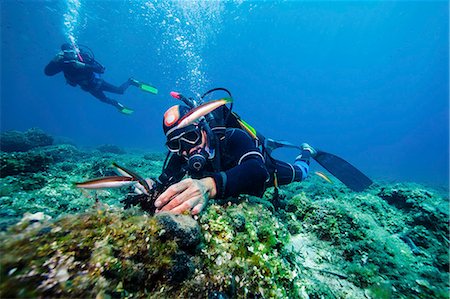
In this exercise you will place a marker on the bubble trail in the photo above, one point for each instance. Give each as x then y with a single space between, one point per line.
71 18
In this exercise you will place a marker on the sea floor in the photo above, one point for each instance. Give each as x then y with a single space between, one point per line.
320 240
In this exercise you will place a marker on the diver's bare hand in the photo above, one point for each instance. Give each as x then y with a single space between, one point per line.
187 195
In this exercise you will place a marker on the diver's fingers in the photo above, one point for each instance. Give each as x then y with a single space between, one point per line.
198 208
182 199
185 206
195 193
172 191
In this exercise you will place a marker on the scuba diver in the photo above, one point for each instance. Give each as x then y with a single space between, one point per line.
222 156
221 162
220 165
80 68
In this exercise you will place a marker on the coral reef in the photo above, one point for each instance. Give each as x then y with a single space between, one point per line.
15 141
19 163
62 152
110 148
36 160
319 240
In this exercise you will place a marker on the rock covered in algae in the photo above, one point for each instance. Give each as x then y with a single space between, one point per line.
111 148
250 262
184 230
103 251
19 163
15 141
391 241
111 252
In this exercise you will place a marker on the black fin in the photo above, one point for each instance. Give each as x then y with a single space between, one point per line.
343 171
270 145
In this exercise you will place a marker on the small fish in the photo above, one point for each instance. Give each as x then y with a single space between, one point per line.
324 176
410 243
107 182
128 173
124 172
200 111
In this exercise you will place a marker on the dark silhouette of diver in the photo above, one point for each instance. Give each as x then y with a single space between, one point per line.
80 68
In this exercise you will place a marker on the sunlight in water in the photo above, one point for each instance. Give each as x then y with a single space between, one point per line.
71 20
186 27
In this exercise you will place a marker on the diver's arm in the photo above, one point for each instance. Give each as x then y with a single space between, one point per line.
172 173
179 195
54 66
249 175
98 67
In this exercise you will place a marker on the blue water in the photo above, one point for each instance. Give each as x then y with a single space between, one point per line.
365 80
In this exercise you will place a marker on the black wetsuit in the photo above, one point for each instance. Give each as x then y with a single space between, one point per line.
242 170
86 74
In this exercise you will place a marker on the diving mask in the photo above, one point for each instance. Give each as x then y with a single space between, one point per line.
184 140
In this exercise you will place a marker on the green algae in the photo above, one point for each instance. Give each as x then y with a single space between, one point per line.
121 253
321 241
251 260
85 254
366 231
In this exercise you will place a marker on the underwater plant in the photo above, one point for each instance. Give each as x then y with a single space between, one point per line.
318 240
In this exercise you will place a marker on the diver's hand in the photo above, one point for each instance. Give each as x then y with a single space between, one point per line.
76 63
71 61
187 195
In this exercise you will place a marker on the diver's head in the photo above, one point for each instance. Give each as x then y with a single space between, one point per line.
190 142
183 141
66 47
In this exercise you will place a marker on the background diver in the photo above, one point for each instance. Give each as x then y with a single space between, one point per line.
80 68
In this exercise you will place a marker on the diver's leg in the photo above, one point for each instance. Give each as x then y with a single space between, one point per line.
105 86
102 97
286 173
